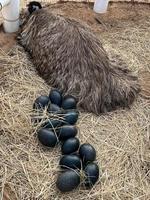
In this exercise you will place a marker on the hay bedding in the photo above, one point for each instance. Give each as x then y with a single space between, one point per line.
121 138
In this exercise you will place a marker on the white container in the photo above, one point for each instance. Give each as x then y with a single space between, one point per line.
10 13
100 6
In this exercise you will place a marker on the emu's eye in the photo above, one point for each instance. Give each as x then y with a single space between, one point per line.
34 8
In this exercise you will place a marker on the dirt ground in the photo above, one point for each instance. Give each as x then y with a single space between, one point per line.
121 138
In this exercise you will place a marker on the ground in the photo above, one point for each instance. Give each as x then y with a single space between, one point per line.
121 138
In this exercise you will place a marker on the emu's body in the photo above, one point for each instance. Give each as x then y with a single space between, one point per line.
68 56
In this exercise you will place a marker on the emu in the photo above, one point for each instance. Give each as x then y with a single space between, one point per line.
71 58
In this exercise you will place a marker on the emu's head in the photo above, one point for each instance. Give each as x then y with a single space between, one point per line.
33 6
27 14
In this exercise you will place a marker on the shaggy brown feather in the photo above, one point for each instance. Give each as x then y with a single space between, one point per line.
71 58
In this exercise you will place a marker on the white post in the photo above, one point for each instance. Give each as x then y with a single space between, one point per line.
100 6
10 12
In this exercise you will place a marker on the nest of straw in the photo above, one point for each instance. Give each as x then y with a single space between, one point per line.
121 138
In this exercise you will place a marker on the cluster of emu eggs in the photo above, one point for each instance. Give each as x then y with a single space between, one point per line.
75 156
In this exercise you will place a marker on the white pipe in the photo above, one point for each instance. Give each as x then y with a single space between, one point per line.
100 6
10 12
4 2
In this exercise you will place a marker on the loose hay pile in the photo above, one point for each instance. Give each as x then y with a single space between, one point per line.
29 171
